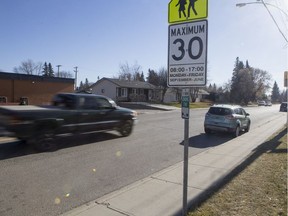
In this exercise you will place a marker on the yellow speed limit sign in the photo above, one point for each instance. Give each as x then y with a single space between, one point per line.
187 10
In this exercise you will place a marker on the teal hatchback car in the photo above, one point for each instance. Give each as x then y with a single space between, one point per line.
227 118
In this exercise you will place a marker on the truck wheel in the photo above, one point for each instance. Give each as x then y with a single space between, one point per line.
207 131
126 128
45 141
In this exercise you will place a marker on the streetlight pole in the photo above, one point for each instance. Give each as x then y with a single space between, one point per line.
58 69
76 71
265 5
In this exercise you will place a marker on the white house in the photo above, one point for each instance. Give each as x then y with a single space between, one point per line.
137 91
124 90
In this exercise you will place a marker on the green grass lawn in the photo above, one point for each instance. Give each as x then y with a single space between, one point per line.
192 105
259 189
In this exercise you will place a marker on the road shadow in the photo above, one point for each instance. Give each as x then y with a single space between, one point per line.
84 139
13 149
269 146
206 141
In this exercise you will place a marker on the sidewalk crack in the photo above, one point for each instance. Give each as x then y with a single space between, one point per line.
115 209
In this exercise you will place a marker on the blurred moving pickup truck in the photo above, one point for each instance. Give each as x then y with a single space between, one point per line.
70 113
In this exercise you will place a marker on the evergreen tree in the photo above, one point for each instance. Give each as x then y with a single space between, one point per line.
214 89
81 86
247 64
210 88
86 85
45 71
50 70
142 79
242 83
275 97
234 93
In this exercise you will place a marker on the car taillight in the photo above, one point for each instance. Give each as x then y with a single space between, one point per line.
229 117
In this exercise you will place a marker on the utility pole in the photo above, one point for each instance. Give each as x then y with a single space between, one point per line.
58 66
76 71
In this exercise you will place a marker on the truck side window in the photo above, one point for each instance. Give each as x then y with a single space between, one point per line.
103 103
89 103
64 101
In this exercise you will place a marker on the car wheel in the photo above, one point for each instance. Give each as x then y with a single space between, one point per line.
44 141
247 128
237 131
126 128
207 131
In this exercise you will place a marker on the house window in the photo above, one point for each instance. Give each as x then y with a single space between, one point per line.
122 92
134 91
141 91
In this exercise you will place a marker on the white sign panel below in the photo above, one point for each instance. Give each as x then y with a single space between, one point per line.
187 54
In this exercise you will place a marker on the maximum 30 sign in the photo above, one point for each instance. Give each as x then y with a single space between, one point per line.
187 54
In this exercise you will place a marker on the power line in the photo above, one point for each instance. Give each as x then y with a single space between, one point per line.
274 20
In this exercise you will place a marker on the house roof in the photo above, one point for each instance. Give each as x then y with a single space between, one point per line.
203 92
128 84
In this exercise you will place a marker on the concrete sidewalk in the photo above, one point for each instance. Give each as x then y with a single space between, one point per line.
161 193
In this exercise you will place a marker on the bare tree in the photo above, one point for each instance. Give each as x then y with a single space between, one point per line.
261 80
29 67
162 74
65 74
194 91
128 72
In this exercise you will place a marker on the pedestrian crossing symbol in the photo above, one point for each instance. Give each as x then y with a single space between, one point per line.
187 10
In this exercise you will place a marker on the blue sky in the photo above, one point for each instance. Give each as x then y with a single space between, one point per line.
97 36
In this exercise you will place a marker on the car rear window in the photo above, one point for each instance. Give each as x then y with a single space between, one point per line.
220 111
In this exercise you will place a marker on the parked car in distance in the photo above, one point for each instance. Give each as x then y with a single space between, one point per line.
261 103
283 107
227 118
268 103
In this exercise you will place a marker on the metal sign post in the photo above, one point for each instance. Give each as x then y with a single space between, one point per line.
187 61
185 116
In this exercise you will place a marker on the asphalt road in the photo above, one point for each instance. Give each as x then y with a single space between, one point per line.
88 166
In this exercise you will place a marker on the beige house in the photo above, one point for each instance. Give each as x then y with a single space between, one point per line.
136 91
124 90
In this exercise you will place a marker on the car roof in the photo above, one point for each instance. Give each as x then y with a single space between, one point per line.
229 106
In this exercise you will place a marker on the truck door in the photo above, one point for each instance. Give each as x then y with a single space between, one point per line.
93 115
